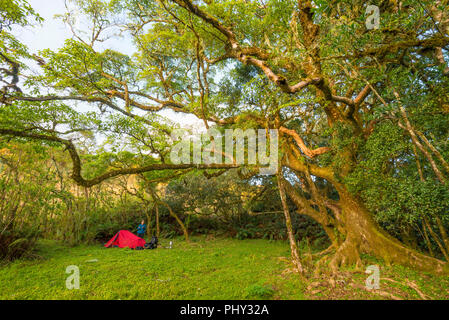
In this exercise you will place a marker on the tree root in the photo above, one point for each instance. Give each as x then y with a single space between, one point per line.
412 285
347 254
378 292
325 251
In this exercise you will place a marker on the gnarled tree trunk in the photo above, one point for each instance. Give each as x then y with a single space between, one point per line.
350 226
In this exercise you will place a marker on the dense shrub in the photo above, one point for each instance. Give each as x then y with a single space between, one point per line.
17 244
269 226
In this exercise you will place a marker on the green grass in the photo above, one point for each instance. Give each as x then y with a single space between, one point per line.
203 269
215 269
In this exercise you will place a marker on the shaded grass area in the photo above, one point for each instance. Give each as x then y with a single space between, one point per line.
203 269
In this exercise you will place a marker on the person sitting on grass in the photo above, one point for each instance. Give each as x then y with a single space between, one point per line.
141 229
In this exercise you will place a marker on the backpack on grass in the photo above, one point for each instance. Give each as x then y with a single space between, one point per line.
152 244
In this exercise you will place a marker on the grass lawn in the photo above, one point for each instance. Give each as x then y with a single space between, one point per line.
203 269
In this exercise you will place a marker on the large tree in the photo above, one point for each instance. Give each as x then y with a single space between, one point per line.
310 69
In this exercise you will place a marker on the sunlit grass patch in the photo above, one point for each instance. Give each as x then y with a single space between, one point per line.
204 269
213 269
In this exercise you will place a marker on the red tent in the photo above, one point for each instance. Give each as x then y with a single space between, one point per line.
124 239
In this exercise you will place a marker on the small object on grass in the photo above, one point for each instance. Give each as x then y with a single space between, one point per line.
93 260
152 244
